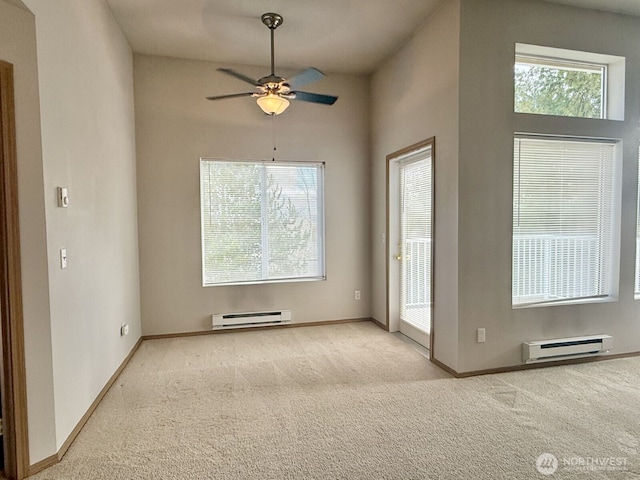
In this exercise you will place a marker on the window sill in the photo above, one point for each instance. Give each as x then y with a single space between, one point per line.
266 282
572 301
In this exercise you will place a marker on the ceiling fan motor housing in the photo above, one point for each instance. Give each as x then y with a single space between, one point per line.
272 20
270 79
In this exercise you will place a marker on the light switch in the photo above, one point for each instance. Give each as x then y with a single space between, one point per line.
63 197
63 258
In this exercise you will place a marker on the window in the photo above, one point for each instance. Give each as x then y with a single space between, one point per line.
261 222
553 81
559 87
565 216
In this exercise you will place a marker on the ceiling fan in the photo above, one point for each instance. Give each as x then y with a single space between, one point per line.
273 92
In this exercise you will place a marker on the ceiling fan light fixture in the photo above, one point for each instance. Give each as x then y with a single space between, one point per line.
273 104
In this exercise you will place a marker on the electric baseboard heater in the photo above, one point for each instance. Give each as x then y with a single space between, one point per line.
566 348
250 319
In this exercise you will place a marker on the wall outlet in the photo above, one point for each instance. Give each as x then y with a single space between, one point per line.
124 329
63 258
357 294
482 335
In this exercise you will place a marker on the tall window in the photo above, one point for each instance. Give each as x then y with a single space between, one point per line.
261 222
564 218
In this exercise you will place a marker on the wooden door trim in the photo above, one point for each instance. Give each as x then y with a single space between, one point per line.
14 396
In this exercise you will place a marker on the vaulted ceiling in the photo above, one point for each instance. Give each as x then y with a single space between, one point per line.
345 36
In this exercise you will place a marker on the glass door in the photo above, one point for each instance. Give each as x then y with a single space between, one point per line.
415 245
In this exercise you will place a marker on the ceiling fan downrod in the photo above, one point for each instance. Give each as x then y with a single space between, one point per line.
272 21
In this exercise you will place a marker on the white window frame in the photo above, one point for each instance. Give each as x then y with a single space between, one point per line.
563 64
613 69
614 254
320 233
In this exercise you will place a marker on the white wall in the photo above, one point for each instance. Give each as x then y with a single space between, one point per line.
489 31
18 46
176 125
88 141
414 97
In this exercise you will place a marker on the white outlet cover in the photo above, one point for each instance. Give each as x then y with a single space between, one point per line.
482 335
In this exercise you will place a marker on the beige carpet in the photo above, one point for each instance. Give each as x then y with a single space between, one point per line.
350 401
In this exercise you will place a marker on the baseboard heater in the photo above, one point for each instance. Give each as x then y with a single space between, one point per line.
566 348
250 319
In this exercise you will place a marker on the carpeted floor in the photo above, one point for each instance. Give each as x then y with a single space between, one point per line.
351 401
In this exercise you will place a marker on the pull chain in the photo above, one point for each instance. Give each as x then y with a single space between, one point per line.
273 134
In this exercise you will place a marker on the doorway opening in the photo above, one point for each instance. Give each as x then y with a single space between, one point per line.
410 246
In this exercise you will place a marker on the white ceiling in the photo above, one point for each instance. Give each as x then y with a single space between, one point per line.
630 7
350 36
345 36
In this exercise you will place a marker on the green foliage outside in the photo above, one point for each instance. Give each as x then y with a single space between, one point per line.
238 245
557 91
289 234
231 222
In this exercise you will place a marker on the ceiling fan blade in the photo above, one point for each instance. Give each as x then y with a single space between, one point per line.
314 98
233 95
242 77
305 77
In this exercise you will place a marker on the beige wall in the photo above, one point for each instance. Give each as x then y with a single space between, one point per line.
175 126
452 80
18 46
414 97
88 141
489 31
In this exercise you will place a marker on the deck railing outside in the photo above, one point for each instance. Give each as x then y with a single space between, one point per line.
554 267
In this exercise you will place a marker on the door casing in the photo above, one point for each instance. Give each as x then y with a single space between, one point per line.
13 373
392 238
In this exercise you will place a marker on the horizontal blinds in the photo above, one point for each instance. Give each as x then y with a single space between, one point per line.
416 187
261 221
563 200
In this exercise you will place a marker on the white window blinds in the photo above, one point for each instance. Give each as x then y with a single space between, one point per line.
261 222
416 226
563 219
